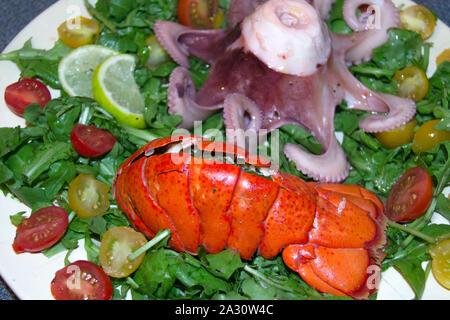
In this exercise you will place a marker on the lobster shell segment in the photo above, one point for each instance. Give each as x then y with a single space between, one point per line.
331 234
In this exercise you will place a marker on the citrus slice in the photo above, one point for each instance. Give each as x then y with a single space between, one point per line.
116 91
76 70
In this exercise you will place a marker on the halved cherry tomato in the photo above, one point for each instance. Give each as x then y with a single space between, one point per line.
444 56
88 196
412 83
399 136
90 141
117 244
411 196
157 53
427 136
81 280
21 94
41 230
419 19
440 264
197 13
78 32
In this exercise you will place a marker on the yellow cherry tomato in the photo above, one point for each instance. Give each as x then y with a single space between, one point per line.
88 196
116 246
444 56
399 136
158 55
412 83
440 264
78 32
427 136
419 19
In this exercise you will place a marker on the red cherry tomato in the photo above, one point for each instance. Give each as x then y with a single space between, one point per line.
42 230
81 280
411 196
21 94
197 13
90 141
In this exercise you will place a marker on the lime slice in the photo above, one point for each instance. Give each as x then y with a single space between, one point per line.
76 70
116 91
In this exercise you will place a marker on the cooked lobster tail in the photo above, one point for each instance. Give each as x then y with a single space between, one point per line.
332 235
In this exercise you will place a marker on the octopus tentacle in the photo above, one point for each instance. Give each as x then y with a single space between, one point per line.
331 166
401 111
398 110
180 42
371 31
242 117
241 113
181 99
168 33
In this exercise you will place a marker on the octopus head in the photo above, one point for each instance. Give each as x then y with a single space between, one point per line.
289 36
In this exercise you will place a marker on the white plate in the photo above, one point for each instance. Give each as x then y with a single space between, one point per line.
29 275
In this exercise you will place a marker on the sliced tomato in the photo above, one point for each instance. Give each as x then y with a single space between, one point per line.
81 280
21 94
88 196
399 136
90 141
412 83
197 13
419 19
428 136
116 246
78 32
440 255
41 230
411 196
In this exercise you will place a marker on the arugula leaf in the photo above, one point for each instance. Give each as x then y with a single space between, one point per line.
60 173
35 116
443 206
409 260
45 156
5 173
38 63
61 117
17 218
9 140
224 264
153 276
34 198
412 270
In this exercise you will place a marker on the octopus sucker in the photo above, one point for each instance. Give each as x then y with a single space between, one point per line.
277 64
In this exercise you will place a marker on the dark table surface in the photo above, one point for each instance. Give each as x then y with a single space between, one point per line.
16 14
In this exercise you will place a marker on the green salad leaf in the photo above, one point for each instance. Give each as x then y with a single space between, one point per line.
38 63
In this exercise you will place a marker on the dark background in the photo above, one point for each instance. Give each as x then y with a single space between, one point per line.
16 14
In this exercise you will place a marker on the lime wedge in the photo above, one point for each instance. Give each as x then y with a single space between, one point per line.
76 70
116 91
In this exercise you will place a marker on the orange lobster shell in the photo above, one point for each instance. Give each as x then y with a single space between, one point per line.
333 235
